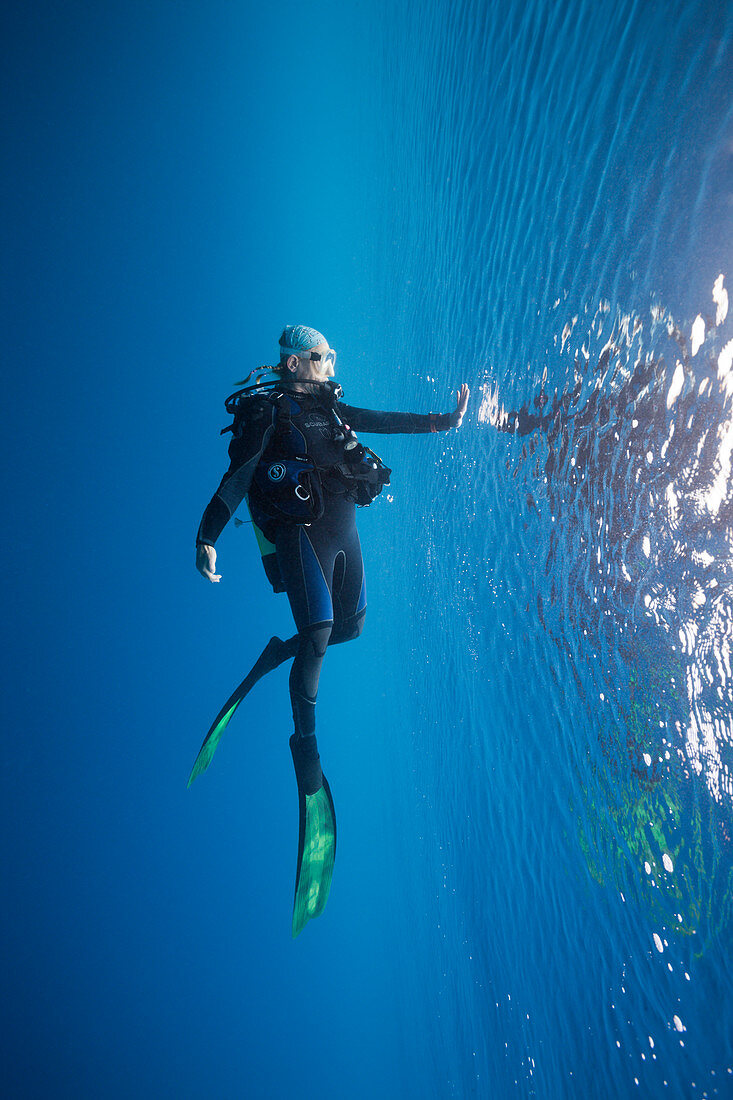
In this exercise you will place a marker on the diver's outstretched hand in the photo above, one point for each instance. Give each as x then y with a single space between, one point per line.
206 562
462 396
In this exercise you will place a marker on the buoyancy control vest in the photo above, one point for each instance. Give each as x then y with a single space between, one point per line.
288 485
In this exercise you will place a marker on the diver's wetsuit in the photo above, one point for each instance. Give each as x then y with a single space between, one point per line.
320 564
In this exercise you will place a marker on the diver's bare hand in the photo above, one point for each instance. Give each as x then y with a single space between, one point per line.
462 396
206 562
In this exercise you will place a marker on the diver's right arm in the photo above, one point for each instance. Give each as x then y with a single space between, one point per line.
245 451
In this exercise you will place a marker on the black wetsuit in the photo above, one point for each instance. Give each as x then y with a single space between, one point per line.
320 565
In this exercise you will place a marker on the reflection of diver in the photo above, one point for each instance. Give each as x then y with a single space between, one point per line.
613 456
296 459
614 452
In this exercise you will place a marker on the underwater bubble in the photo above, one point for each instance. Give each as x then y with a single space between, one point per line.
720 297
697 335
674 390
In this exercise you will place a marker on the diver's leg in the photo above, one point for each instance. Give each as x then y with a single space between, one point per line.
348 630
346 579
304 677
305 674
305 565
348 588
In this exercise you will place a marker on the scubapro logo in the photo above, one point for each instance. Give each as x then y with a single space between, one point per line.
276 472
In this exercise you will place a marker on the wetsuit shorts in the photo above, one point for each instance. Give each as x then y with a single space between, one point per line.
322 568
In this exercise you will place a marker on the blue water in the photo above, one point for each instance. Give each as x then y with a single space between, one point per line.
531 746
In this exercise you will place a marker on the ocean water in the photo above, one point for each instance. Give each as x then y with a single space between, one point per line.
530 747
561 215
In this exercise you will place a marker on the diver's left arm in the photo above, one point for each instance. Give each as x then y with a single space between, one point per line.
392 423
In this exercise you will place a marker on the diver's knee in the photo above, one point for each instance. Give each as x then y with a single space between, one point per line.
314 640
349 630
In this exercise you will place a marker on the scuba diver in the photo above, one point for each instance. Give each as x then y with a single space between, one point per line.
296 459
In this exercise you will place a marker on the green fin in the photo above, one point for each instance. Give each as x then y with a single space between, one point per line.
212 739
275 652
316 855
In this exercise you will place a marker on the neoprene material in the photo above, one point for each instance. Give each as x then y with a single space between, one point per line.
275 652
316 850
307 763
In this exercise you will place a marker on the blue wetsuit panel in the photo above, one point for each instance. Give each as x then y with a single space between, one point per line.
322 567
